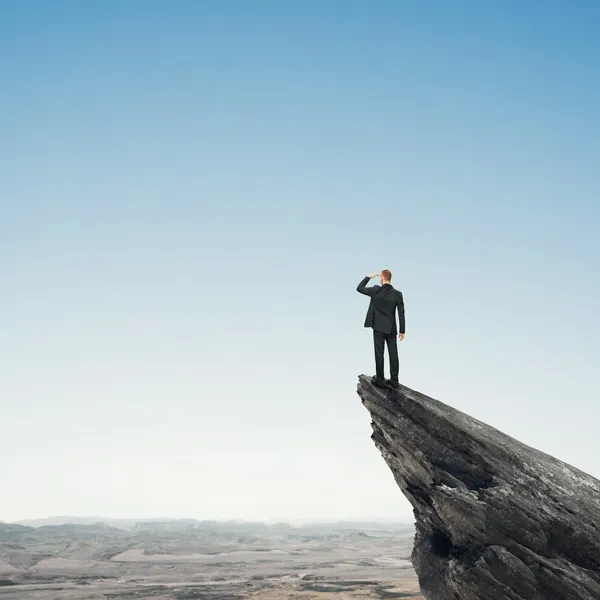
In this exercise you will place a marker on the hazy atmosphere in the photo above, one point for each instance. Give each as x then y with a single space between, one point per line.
190 193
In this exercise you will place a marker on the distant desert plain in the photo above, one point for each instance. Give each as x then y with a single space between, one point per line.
205 560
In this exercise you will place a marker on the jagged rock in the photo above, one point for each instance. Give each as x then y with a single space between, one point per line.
495 518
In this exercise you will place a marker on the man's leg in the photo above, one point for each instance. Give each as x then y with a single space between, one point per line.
392 345
379 344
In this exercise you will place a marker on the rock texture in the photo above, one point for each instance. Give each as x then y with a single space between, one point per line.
496 519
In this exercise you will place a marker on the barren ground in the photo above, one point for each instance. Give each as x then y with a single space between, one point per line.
94 562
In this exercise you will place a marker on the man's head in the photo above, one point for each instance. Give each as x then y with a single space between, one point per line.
385 276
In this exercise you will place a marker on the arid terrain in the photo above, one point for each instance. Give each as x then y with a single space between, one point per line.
185 560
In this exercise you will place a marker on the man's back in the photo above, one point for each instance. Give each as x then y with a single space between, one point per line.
385 303
385 300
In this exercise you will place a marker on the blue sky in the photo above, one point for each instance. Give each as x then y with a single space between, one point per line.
189 195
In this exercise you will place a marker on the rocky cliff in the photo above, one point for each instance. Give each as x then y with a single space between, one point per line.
495 518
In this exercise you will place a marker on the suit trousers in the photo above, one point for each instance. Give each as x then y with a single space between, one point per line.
379 340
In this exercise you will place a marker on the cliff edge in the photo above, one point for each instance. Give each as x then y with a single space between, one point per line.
495 518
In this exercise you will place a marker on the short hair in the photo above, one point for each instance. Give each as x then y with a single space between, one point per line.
386 274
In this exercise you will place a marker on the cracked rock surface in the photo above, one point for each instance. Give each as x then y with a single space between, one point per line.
495 518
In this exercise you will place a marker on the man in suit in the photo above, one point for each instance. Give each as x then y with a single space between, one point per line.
381 316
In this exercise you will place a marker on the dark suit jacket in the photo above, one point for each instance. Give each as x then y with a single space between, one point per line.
385 300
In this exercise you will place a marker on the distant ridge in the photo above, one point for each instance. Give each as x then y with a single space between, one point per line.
133 523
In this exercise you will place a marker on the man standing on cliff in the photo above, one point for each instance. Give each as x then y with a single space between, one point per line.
381 316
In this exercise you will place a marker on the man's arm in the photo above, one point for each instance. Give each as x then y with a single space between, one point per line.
401 320
363 289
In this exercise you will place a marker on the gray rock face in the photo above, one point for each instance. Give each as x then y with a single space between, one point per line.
496 519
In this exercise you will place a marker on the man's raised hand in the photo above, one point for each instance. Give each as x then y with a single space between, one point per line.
372 275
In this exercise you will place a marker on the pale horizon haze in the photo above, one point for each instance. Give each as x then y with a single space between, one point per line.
190 193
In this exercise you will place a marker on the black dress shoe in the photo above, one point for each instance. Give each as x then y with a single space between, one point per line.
392 383
380 383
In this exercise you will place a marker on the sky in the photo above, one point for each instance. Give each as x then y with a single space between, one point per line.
190 193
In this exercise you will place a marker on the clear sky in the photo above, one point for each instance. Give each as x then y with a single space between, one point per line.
190 193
